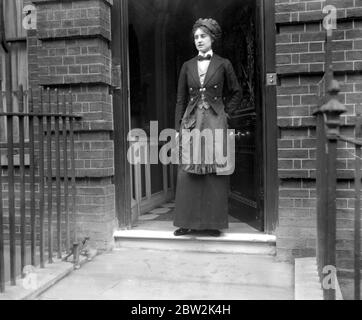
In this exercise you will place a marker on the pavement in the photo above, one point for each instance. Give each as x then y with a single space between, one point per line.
145 274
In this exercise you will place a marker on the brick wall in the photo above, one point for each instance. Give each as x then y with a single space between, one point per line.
70 50
300 66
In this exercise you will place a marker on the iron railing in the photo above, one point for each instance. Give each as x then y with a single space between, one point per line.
328 134
37 181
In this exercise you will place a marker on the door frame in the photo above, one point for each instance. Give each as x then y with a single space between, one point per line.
122 177
269 102
121 112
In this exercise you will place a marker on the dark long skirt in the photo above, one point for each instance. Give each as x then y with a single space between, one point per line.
201 201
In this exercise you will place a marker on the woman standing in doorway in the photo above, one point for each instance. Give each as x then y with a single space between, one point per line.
208 91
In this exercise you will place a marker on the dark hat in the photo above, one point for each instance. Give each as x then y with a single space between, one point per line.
210 26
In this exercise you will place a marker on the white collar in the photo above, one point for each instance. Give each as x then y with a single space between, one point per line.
210 52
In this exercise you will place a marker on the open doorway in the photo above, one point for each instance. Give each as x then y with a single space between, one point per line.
159 42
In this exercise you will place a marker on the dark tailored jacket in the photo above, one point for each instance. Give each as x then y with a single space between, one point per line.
221 88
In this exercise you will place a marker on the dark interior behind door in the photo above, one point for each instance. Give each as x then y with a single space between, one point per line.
242 45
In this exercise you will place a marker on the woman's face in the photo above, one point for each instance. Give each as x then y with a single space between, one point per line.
203 41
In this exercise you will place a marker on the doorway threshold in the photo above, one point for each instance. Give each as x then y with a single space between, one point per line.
158 235
225 236
154 230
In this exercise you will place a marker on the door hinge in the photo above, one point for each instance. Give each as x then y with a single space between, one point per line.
271 79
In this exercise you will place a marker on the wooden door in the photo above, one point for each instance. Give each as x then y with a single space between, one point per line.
250 44
120 95
242 45
151 94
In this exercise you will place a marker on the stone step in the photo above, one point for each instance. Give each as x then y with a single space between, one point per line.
245 243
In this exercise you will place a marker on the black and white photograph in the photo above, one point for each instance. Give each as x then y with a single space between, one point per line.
180 155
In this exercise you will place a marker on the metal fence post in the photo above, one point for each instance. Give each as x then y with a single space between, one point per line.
331 112
357 212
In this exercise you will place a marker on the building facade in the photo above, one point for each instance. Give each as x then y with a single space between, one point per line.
300 44
96 48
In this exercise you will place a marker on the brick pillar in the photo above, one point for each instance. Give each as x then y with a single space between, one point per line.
70 49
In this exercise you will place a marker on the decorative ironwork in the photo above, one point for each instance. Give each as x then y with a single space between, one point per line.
328 134
240 44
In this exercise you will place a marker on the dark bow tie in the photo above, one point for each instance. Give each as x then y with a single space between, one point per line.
202 58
